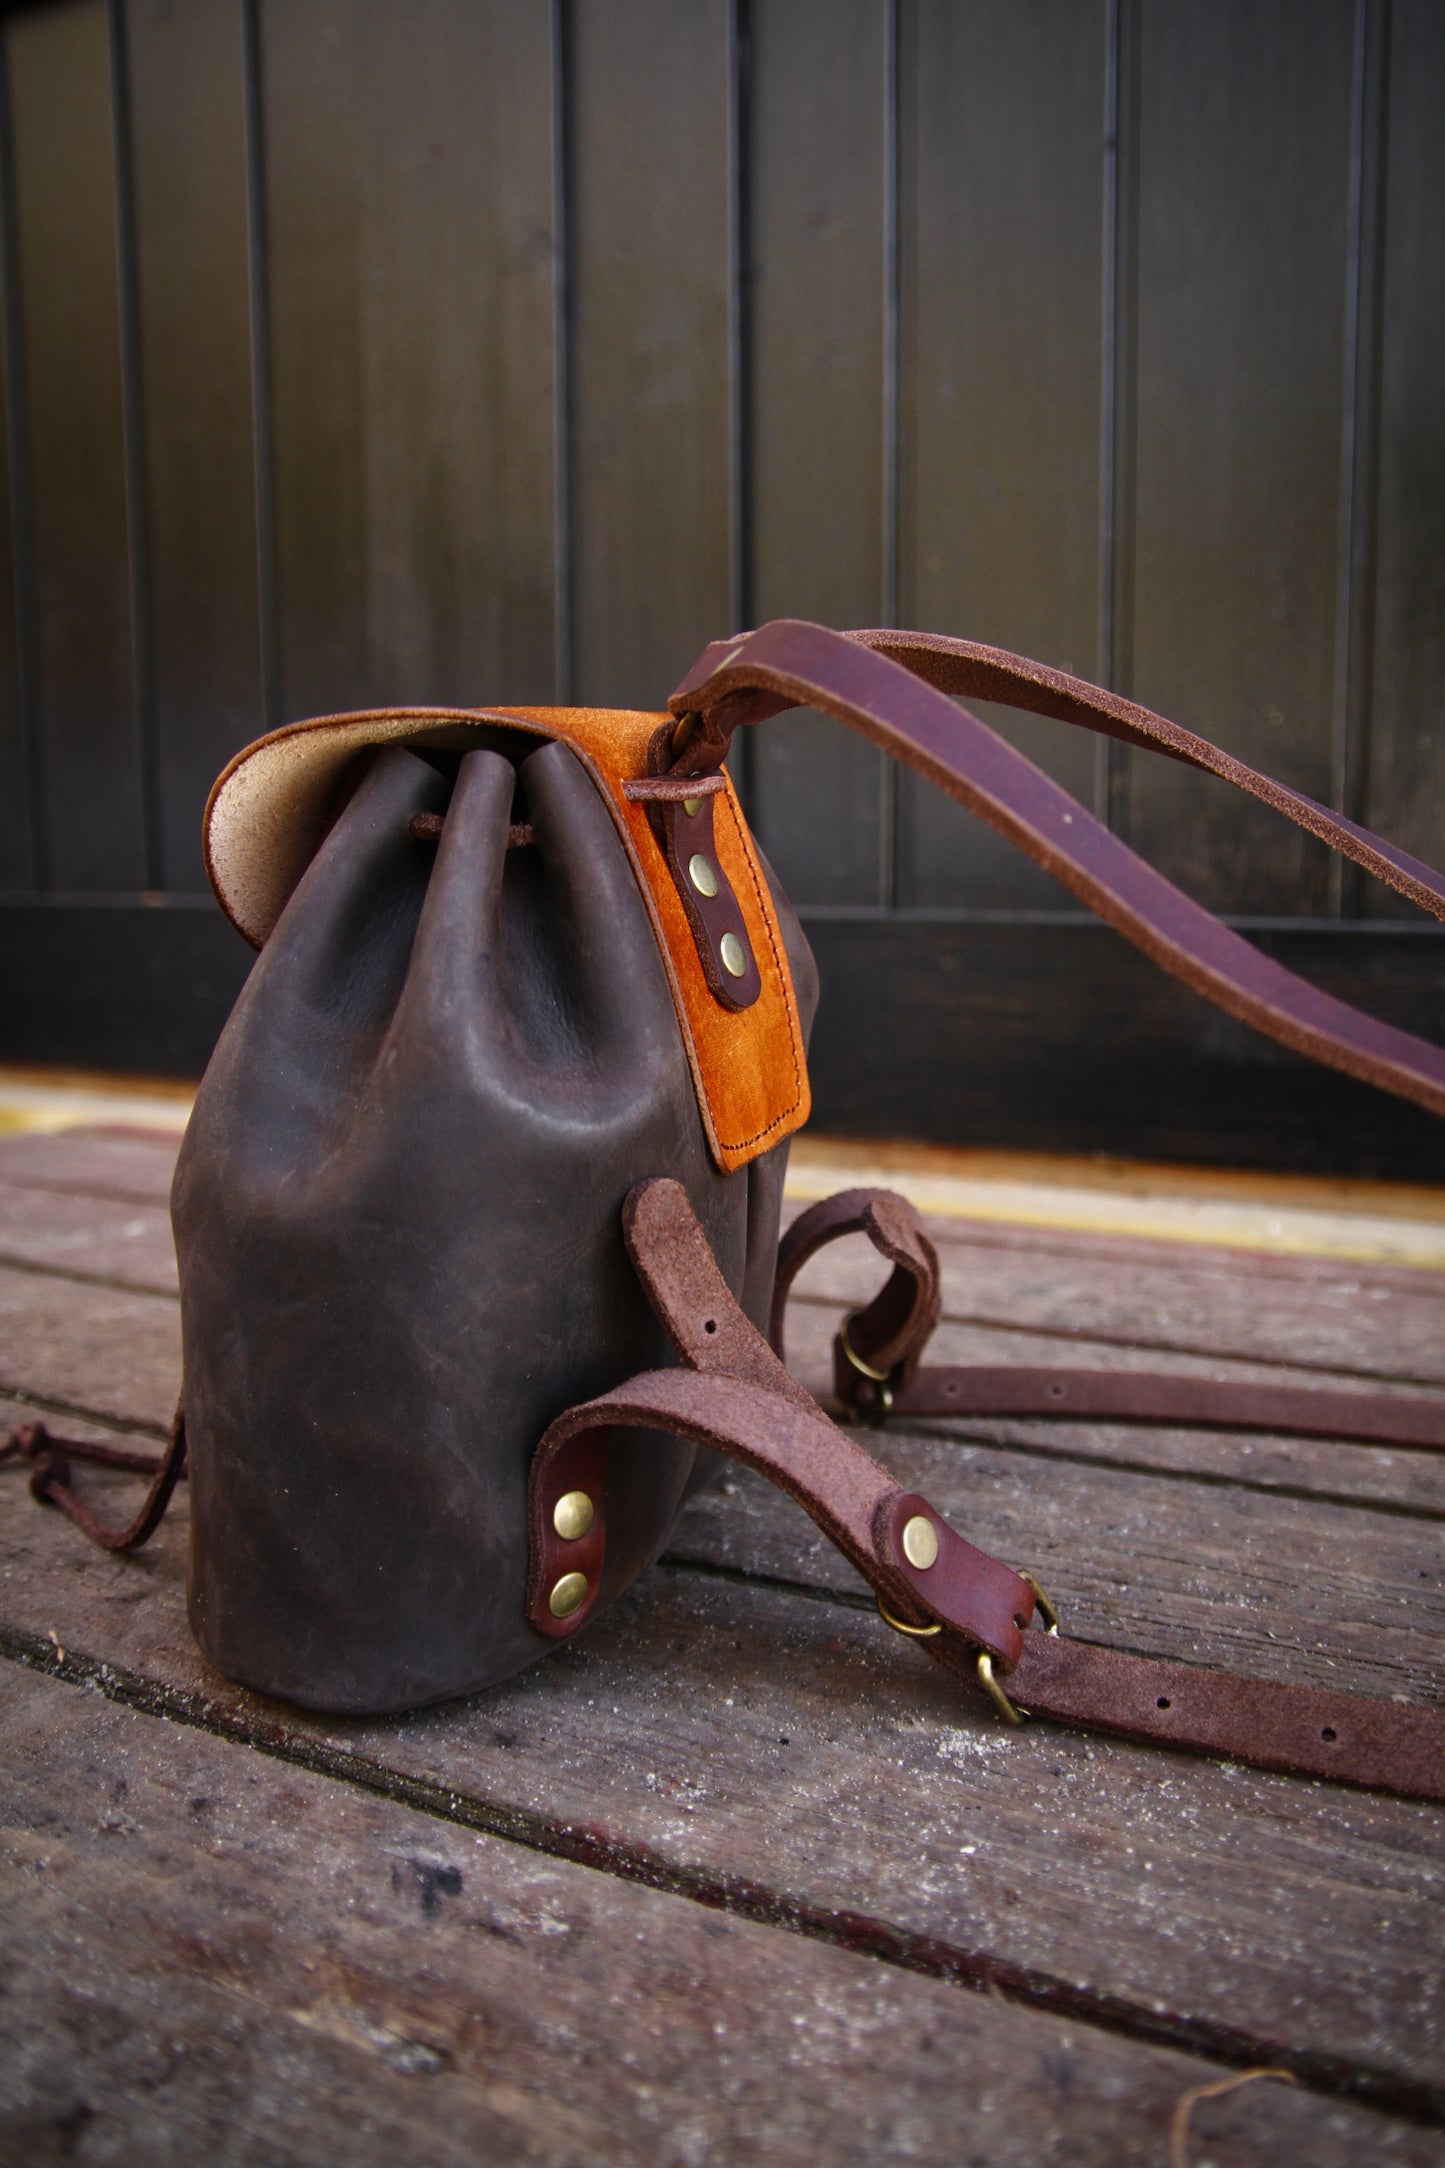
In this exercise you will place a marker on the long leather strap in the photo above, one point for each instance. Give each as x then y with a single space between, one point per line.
886 685
734 1395
877 1357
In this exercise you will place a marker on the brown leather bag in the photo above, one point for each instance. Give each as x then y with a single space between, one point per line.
503 1110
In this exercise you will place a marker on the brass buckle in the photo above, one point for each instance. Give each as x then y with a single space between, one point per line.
1041 1598
984 1662
1007 1709
901 1626
880 1378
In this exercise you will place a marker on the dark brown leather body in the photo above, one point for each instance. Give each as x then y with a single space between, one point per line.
397 1214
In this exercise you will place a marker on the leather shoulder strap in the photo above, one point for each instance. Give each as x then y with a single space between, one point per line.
894 688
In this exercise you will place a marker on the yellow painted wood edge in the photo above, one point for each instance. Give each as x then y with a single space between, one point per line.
1278 1215
1374 1225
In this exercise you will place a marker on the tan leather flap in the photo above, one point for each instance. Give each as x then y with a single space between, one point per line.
268 813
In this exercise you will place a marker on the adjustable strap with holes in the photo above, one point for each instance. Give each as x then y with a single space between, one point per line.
970 1612
877 1357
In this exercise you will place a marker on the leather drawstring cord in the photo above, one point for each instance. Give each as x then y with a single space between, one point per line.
50 1483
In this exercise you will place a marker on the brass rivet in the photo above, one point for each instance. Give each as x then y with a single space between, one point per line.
568 1596
692 807
920 1542
572 1515
703 874
734 955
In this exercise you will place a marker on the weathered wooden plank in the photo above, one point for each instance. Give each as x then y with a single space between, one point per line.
1243 191
1369 1475
819 142
130 1167
60 91
1346 1319
730 1735
187 97
1350 1319
1115 1304
1001 331
74 1239
102 1349
258 1942
1405 794
88 1237
410 235
1011 1295
649 273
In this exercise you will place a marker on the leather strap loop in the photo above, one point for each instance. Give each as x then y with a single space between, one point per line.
1038 1390
857 679
969 669
887 1337
735 1397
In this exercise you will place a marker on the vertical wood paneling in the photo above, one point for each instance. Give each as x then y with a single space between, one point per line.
371 350
17 865
650 269
1003 127
409 239
65 214
1406 778
816 281
189 164
1244 188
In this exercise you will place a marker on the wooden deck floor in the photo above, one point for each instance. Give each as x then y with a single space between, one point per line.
739 1877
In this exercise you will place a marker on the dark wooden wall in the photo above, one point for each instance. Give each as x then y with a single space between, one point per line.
465 350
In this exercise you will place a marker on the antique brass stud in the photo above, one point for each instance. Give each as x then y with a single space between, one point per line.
692 807
568 1596
920 1542
734 955
703 874
573 1515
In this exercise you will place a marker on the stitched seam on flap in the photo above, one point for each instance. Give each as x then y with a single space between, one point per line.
785 982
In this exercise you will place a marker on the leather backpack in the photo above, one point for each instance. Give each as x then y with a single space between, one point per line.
477 1212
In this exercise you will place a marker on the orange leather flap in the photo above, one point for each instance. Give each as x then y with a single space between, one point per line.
268 812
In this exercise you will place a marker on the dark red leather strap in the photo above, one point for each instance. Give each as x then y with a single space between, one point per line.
878 1370
1144 1396
856 679
1343 1737
734 1395
887 1339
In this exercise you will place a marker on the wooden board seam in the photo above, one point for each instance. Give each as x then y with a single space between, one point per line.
1075 1336
1389 2091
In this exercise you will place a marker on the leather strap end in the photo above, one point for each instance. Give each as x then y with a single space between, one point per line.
1343 1738
962 1588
